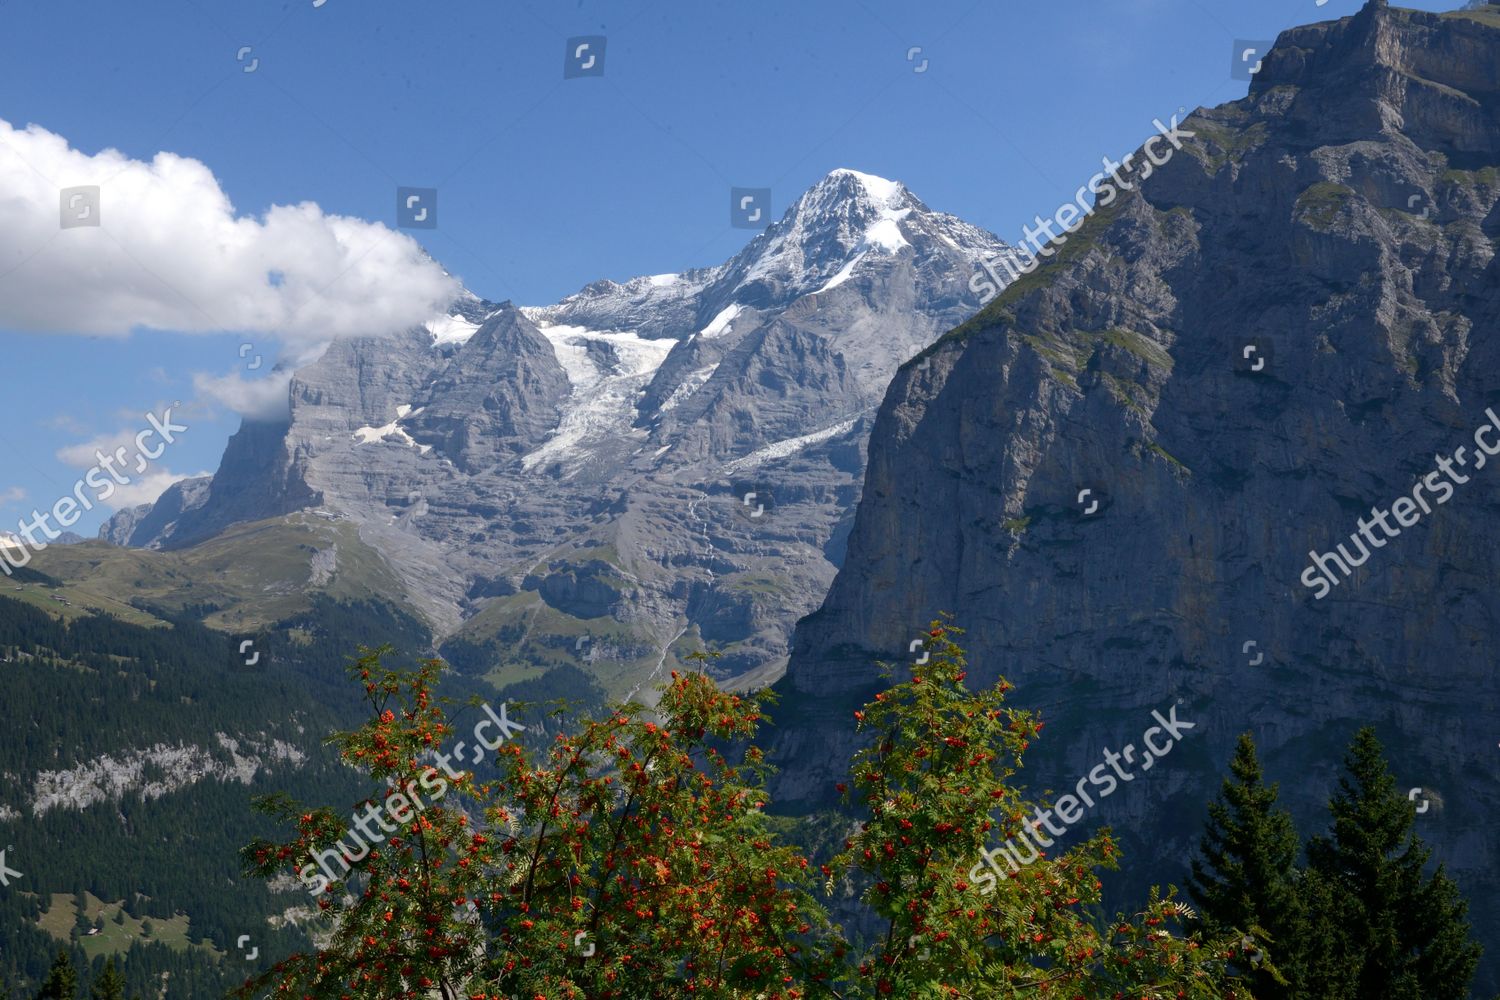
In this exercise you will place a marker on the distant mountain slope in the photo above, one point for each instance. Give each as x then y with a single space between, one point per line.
132 758
571 479
1273 334
240 581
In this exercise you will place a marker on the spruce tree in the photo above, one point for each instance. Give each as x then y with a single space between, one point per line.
1399 934
1247 877
1334 954
62 979
110 985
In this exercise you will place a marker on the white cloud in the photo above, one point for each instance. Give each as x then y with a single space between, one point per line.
170 253
83 455
254 399
146 489
13 495
146 480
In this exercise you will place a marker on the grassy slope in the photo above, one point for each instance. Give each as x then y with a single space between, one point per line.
115 939
255 573
1490 17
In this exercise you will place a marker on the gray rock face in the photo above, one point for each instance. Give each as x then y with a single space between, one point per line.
154 523
1275 333
496 399
120 528
544 476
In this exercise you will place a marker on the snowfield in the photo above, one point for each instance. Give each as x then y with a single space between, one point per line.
601 407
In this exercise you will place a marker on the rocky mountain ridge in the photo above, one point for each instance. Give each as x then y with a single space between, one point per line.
567 484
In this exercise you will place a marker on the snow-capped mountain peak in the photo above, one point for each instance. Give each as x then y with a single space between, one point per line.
849 223
878 188
843 214
846 194
584 458
848 219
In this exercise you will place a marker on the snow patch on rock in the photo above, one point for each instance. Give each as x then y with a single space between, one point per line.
451 329
690 385
720 324
781 449
392 431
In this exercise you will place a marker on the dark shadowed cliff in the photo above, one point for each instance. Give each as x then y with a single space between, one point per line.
1270 336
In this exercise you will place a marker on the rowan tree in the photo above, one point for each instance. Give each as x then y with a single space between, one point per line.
400 924
936 782
631 861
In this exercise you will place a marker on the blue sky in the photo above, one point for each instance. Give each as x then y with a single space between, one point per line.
546 184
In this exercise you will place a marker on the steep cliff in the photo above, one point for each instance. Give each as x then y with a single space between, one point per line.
1237 359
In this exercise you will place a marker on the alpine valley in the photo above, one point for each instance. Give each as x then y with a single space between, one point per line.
1112 475
561 500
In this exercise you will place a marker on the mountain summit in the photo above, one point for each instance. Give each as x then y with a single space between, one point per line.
577 473
845 220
